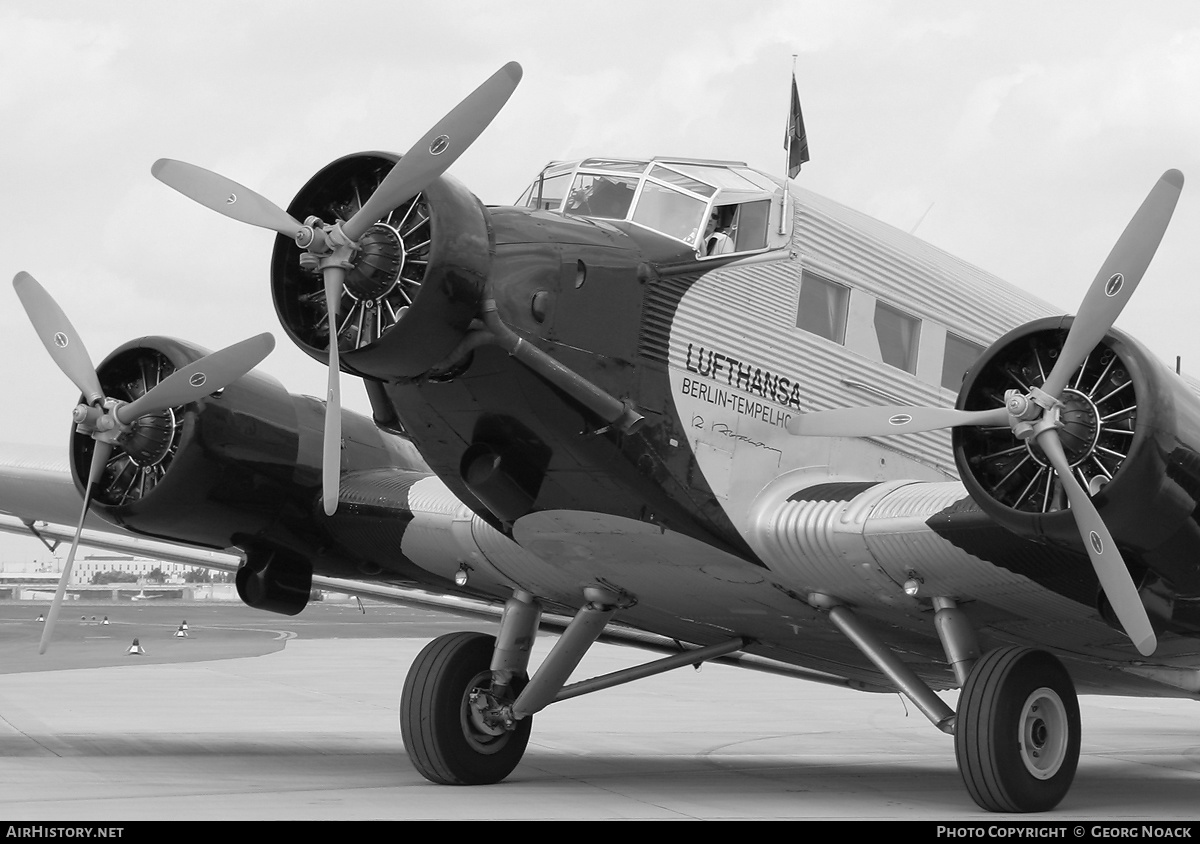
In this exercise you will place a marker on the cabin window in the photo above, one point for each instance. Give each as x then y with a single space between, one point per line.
899 335
823 307
959 356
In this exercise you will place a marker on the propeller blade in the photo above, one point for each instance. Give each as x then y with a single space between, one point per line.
1102 550
442 145
100 455
200 378
225 196
884 421
331 455
58 336
1117 279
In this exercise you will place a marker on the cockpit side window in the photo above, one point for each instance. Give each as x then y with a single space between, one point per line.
752 221
675 214
736 228
716 208
546 193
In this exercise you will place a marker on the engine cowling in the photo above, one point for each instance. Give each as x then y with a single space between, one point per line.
238 468
215 473
417 281
1131 433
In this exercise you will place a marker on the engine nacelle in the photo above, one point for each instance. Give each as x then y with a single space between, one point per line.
1132 433
240 467
417 281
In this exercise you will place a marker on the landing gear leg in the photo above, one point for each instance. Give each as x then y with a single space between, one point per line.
1017 733
447 714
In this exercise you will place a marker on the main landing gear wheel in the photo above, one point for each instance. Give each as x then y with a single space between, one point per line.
1017 735
445 714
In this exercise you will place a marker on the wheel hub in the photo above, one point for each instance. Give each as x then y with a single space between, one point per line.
482 723
1043 733
483 708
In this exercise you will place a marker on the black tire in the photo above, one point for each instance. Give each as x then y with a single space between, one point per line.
445 745
1017 734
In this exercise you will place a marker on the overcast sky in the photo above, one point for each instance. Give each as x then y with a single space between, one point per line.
1034 129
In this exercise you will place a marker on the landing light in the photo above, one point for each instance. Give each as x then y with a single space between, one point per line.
461 576
912 586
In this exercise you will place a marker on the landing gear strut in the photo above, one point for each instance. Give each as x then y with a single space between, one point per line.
447 711
1017 735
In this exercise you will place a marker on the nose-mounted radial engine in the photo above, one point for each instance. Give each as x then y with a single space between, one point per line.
1048 420
415 285
362 258
403 273
131 431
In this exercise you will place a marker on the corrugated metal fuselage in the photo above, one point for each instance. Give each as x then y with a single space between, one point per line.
701 516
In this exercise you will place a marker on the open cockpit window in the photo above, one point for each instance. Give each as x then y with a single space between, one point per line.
736 228
716 208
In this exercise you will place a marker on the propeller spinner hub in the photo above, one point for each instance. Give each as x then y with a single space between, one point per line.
149 441
378 265
1079 429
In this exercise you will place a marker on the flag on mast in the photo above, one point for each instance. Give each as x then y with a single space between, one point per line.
795 141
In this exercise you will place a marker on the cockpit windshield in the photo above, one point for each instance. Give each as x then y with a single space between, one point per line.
715 207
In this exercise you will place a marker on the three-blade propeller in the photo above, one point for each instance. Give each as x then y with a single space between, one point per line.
1036 415
335 246
108 421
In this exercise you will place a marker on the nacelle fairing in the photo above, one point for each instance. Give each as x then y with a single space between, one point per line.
415 286
241 467
1131 431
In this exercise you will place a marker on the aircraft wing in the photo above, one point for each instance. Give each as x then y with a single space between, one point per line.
37 491
35 484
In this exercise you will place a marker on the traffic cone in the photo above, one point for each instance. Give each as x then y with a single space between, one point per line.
182 633
135 648
105 620
41 619
184 625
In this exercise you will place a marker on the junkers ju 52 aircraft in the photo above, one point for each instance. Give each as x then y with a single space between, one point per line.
693 400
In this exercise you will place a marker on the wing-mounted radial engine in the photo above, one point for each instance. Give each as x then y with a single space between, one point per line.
134 412
1130 434
211 471
1063 418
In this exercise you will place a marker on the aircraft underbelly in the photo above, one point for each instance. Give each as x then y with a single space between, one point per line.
679 586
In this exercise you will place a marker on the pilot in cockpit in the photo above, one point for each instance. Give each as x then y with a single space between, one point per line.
718 237
609 198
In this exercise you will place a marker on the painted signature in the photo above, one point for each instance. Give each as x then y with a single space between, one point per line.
725 431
